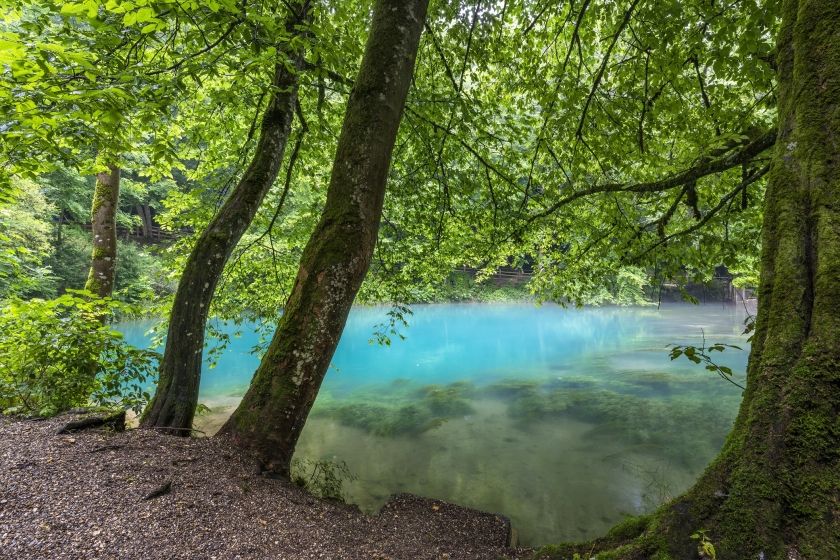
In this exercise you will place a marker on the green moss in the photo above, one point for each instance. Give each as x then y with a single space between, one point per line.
106 190
629 528
511 388
100 253
386 421
447 401
635 538
93 284
535 404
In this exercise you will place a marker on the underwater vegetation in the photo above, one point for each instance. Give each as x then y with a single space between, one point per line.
645 410
637 420
323 478
449 400
411 412
565 453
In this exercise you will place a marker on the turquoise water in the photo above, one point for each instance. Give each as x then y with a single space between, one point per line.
564 420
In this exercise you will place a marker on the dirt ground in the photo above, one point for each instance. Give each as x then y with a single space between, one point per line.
143 495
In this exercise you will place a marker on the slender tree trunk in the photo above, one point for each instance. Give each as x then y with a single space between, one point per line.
103 221
176 397
774 491
336 259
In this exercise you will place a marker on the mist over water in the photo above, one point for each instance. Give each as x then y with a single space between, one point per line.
565 420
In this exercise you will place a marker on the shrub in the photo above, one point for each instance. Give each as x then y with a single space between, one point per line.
61 353
25 242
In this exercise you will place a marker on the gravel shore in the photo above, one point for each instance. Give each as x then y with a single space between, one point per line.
143 495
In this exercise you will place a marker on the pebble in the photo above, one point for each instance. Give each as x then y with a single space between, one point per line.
71 500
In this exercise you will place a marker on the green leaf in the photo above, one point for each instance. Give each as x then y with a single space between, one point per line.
74 8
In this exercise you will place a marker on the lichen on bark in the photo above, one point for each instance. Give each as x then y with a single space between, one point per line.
176 397
334 263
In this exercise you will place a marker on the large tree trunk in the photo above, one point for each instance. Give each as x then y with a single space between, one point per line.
103 221
272 414
145 213
176 397
774 491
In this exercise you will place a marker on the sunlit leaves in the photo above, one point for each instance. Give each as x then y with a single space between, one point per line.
58 354
514 106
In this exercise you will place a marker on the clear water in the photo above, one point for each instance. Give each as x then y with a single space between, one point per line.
564 420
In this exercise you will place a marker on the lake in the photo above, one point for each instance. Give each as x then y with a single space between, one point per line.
564 420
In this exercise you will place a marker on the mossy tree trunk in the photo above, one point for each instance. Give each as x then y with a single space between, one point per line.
173 405
103 222
334 263
774 491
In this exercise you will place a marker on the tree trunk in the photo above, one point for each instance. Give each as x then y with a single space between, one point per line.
145 213
774 490
176 397
272 414
103 221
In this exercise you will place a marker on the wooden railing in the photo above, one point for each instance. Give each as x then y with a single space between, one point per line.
154 233
503 273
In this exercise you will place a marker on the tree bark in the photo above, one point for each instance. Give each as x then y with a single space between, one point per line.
774 490
176 397
271 416
103 221
145 213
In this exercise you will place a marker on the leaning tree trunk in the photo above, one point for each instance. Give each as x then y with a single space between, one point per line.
176 397
272 414
103 222
774 491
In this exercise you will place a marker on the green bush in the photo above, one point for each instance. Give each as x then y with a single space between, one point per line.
25 242
61 353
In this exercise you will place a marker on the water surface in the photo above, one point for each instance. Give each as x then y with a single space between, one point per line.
564 420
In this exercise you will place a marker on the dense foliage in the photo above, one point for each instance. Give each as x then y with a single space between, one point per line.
517 108
608 147
44 250
61 353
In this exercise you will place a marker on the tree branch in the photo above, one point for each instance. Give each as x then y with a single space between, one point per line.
602 68
709 215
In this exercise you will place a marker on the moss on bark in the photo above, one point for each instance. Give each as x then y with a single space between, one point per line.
103 220
774 490
176 397
336 258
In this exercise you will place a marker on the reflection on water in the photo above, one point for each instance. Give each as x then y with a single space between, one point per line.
564 420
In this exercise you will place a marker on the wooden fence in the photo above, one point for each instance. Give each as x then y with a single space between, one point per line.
149 235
